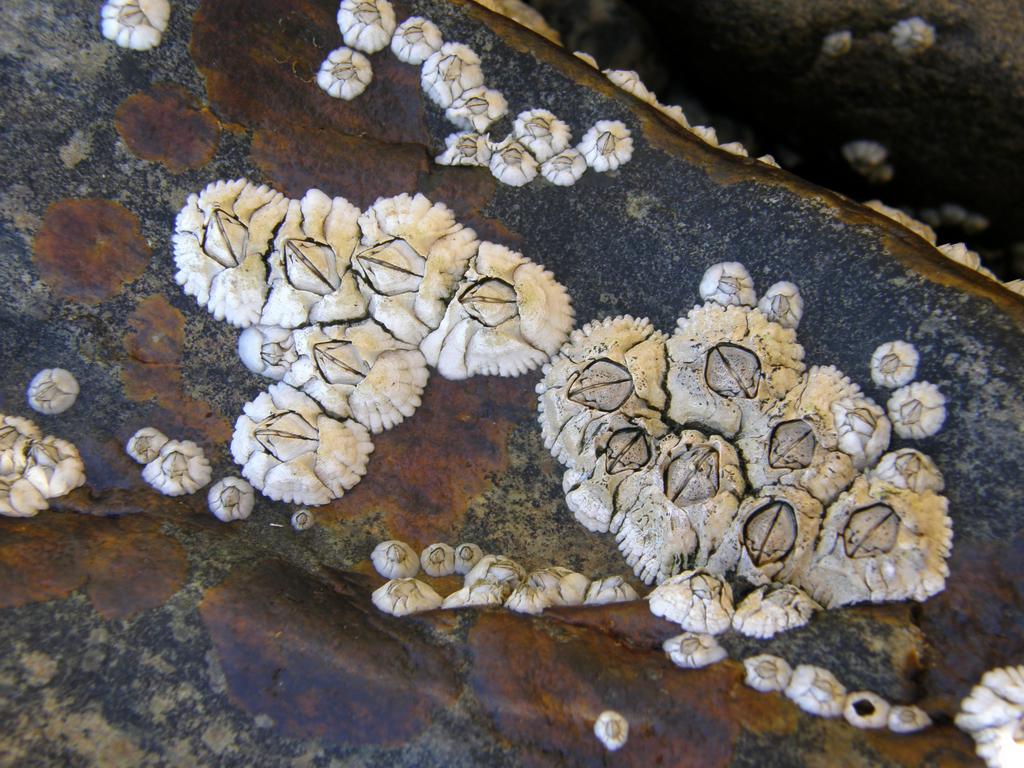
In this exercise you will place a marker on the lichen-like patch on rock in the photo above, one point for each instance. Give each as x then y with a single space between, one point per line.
164 125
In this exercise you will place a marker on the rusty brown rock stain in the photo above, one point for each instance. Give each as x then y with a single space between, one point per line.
165 125
468 191
942 747
631 622
88 249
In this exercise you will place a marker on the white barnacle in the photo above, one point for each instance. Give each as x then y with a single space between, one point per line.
611 589
734 148
220 239
465 149
395 559
993 714
907 719
145 444
769 160
863 429
366 25
908 469
868 158
912 36
415 40
449 72
438 560
767 673
706 133
767 611
607 145
479 594
303 519
135 24
919 228
611 729
816 691
527 598
692 650
179 468
19 498
961 254
782 304
477 108
561 586
695 600
268 350
729 284
586 58
894 364
864 709
466 556
1017 286
836 44
543 134
676 114
630 82
565 168
53 466
917 410
292 451
52 391
400 597
231 499
496 568
511 163
344 74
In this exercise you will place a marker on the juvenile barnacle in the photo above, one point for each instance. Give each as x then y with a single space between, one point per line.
770 610
863 429
466 556
909 469
482 593
526 598
366 25
917 410
919 228
497 568
816 691
912 36
135 24
894 364
508 316
220 238
179 468
53 466
607 145
907 719
864 709
415 40
438 560
344 74
836 44
52 391
231 499
401 597
611 729
292 451
767 673
565 168
268 350
993 714
477 108
543 134
706 133
676 114
782 304
449 72
586 58
395 559
145 444
729 284
611 589
695 600
961 254
734 148
868 158
692 650
303 519
511 163
560 586
630 82
465 149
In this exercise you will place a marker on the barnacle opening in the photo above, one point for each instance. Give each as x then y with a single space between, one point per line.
392 267
491 301
770 532
628 450
225 238
871 531
693 476
339 362
603 385
791 445
732 371
310 265
285 435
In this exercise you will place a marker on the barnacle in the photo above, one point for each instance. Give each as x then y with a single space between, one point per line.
400 597
477 108
512 164
734 148
527 598
961 254
565 168
52 391
145 444
395 560
769 610
728 284
836 44
19 498
917 227
543 134
466 556
706 133
611 729
907 719
34 468
894 364
449 72
267 350
695 600
415 40
560 586
179 468
481 593
783 304
438 560
611 589
465 149
868 158
606 146
767 673
231 499
344 74
863 429
135 24
585 57
909 469
912 36
693 651
497 568
864 709
917 410
816 691
366 25
303 519
993 714
630 82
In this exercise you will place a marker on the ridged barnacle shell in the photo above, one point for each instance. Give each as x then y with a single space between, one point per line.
527 598
606 146
696 600
561 586
611 729
135 24
303 519
497 568
586 57
782 304
907 719
231 499
366 25
145 444
706 133
466 148
864 709
19 498
477 109
438 560
511 163
401 597
769 610
34 468
767 673
479 594
52 391
17 435
53 466
919 228
565 168
727 361
180 468
863 429
415 40
880 543
344 74
508 316
543 134
993 714
413 255
220 238
734 148
449 72
611 589
894 364
268 350
359 371
912 36
610 367
466 556
630 82
395 559
692 650
292 451
816 691
917 410
909 469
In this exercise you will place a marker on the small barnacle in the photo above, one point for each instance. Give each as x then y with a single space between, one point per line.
303 519
917 410
816 691
767 673
611 589
961 254
180 468
560 586
465 149
565 168
19 498
706 133
769 160
676 114
395 560
695 600
543 134
611 729
919 228
907 719
586 57
912 36
344 74
400 597
231 499
894 364
511 163
366 25
734 148
135 24
449 72
477 108
415 40
438 560
909 469
52 391
479 594
630 82
864 709
783 304
693 651
607 145
145 444
1017 286
497 568
993 714
466 556
868 158
728 284
765 613
837 44
268 350
527 598
53 466
863 429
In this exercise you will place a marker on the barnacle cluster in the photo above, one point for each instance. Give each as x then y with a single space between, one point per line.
993 714
177 468
345 309
34 468
135 24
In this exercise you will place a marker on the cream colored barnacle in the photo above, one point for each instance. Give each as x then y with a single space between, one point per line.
511 163
543 134
676 114
993 714
267 350
565 168
395 559
630 82
912 36
816 691
767 673
894 364
611 589
231 499
961 254
401 597
864 709
769 160
496 568
907 719
734 148
449 72
145 444
415 40
692 650
303 519
479 594
465 149
836 44
1017 286
135 24
366 25
53 466
729 284
863 429
344 74
908 469
919 228
529 599
607 145
868 158
769 610
180 468
19 498
586 58
695 600
706 133
476 109
783 304
561 586
611 729
438 560
917 410
52 391
466 556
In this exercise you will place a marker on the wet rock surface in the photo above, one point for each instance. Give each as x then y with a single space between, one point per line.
142 631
